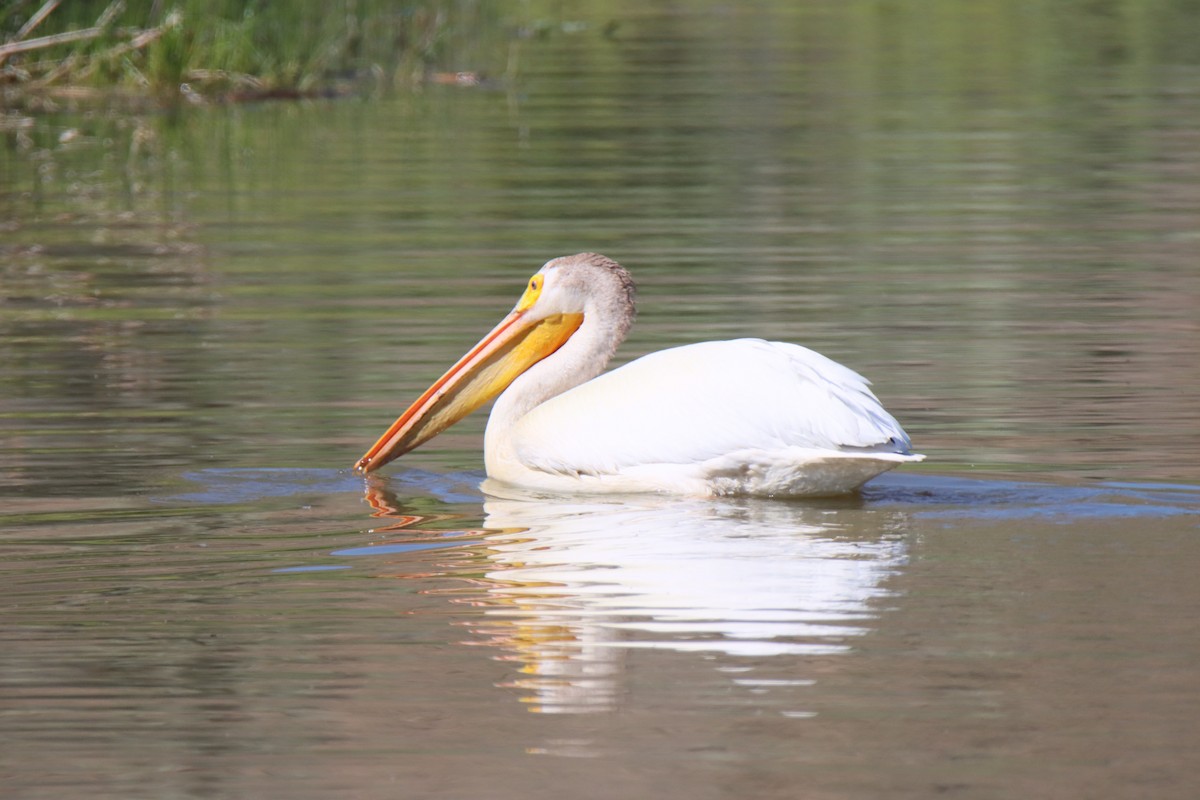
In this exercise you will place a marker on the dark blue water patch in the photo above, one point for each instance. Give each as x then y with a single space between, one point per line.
402 547
930 496
951 497
231 486
313 568
245 485
1179 487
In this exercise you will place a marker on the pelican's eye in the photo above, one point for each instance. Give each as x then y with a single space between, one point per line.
532 292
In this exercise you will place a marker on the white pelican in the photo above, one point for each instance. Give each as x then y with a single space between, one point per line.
715 418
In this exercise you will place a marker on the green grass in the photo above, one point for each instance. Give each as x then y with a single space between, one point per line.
218 48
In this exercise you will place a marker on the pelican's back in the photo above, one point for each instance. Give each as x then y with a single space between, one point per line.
703 402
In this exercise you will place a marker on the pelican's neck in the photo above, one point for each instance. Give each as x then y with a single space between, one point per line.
581 358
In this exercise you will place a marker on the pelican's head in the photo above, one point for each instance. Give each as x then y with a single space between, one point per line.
554 305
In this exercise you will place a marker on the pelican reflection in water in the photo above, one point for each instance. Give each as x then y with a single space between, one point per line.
570 586
741 417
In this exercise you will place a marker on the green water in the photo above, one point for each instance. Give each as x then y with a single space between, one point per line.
207 314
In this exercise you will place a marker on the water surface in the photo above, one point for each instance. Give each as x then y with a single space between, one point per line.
207 315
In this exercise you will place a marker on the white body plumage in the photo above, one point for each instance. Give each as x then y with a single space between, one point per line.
736 417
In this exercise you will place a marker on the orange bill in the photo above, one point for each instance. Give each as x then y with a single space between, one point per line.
512 347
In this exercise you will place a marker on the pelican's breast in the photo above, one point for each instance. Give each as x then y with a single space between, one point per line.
706 402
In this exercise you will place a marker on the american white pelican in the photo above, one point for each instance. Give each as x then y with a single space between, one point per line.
716 418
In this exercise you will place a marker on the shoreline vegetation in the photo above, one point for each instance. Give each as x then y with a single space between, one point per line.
149 52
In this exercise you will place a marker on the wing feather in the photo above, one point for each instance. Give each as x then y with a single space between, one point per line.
693 403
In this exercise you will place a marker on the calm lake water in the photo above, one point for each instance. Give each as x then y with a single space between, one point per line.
207 315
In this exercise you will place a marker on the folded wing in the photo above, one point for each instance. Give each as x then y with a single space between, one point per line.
698 402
